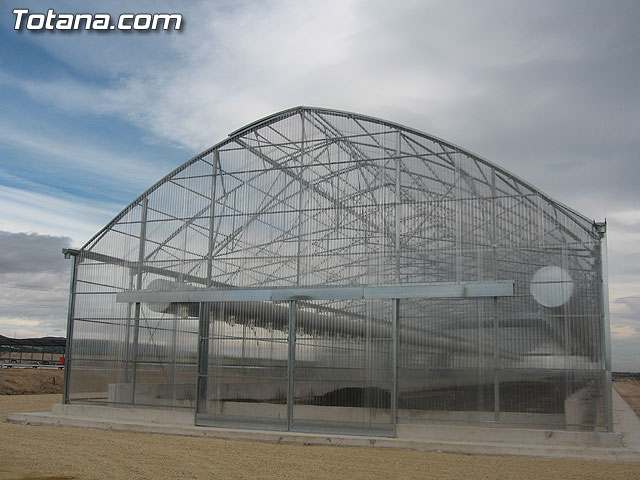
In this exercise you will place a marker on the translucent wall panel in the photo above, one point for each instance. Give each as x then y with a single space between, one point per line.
243 377
128 354
498 361
343 372
163 366
313 197
98 360
98 352
446 360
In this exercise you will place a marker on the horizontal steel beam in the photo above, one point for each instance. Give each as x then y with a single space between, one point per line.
429 290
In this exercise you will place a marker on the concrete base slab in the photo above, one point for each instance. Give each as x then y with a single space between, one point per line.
621 446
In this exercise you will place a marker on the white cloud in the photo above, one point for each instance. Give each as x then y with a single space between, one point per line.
624 331
59 215
34 284
626 218
73 154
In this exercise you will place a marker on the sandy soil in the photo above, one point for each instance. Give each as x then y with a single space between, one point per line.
629 389
20 381
68 453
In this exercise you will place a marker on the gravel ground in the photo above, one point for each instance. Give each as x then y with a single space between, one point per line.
69 453
629 389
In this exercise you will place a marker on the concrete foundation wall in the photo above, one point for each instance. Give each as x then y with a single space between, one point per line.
409 432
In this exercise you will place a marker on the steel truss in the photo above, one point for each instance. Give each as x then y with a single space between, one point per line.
314 198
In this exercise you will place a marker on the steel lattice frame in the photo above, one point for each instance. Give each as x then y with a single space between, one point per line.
313 197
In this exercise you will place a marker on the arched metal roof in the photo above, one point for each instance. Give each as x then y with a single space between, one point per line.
447 148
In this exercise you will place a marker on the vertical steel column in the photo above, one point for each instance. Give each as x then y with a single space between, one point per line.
67 359
564 262
397 193
291 362
127 378
496 361
496 331
244 341
214 178
300 198
204 310
458 209
136 328
606 331
368 358
396 302
134 361
203 356
174 350
394 364
481 353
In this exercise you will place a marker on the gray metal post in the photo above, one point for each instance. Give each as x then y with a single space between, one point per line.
204 310
496 361
67 358
397 211
606 331
564 262
173 368
136 327
203 356
244 341
394 364
458 209
300 202
496 328
291 362
127 378
216 162
134 355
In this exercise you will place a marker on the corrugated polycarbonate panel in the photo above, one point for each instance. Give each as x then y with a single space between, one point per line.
244 382
98 359
99 333
446 360
343 381
314 197
123 353
165 360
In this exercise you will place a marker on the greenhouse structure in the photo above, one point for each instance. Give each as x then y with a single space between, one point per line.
325 271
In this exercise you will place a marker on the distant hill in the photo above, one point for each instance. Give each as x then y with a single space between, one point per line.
33 341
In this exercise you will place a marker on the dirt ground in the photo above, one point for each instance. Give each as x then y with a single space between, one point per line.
629 389
21 381
29 452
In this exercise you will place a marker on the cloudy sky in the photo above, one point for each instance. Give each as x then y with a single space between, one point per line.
549 90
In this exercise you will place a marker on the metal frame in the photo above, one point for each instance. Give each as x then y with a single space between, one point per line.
291 361
321 208
601 228
67 361
441 290
294 297
48 347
